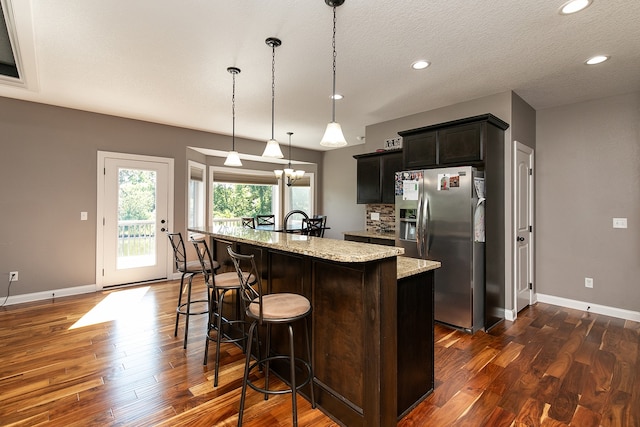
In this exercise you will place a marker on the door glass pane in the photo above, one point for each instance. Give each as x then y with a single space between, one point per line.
136 218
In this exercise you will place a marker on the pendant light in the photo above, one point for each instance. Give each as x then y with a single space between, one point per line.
273 148
333 136
232 158
291 175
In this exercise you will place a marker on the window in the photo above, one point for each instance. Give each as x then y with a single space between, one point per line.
8 65
241 194
300 195
196 206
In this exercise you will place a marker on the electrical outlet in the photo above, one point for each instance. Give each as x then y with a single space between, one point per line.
588 282
13 276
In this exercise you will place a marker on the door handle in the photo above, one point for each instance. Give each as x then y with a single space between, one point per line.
520 239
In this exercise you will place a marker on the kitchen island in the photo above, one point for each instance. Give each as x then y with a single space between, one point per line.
372 319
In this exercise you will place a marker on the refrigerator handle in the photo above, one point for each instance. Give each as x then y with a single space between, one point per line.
427 226
419 224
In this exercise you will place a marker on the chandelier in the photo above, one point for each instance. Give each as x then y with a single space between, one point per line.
291 175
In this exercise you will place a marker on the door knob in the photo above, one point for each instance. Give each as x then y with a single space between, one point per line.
162 221
520 239
162 229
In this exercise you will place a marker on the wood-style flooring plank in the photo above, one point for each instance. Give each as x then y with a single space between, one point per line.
553 367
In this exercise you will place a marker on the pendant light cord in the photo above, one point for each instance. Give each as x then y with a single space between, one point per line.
289 133
233 114
273 87
333 44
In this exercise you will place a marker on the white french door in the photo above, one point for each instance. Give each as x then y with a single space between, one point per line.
134 194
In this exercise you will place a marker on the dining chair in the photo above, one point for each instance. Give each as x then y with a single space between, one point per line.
188 269
313 226
217 286
271 309
249 222
266 221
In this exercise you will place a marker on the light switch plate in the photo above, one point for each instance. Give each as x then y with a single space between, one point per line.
83 216
375 216
619 222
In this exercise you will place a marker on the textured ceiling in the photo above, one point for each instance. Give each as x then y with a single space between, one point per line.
165 61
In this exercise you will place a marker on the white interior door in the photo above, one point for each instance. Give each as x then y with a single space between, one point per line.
133 216
523 221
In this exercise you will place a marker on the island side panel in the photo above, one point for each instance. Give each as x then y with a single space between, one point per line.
415 340
355 340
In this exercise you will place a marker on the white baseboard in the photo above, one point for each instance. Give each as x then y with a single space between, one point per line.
55 293
510 315
593 308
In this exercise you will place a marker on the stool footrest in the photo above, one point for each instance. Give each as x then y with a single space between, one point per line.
306 381
181 309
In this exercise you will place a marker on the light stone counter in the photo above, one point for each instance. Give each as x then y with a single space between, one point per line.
329 249
412 266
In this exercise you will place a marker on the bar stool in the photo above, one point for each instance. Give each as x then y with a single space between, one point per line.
188 269
278 308
217 286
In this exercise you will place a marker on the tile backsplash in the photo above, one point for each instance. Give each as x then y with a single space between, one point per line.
387 222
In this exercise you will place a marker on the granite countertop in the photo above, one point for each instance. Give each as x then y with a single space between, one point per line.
318 247
375 234
412 266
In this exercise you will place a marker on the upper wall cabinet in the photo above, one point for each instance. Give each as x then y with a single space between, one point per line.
459 142
419 150
376 176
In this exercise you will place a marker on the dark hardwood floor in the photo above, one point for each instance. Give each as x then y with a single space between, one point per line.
552 367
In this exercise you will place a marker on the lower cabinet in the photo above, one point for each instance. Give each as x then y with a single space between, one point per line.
373 240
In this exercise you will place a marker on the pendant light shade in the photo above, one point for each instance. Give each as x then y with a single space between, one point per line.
233 159
273 148
333 136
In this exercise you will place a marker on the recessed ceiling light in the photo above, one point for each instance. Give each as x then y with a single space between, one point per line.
336 96
574 6
597 59
420 65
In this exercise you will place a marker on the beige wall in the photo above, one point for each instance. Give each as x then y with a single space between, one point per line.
48 175
588 172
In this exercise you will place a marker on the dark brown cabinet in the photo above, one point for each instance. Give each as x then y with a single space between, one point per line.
455 143
374 240
420 150
376 176
460 144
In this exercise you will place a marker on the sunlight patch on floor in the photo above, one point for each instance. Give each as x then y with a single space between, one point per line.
117 305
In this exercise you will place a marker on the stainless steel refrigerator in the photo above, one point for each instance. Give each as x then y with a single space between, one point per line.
440 216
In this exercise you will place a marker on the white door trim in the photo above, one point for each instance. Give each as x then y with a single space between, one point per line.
102 155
